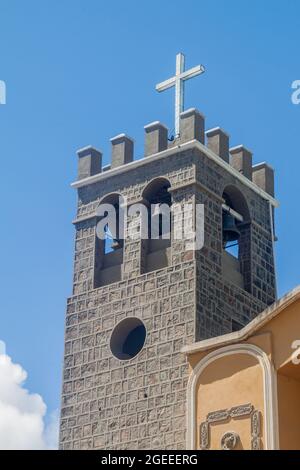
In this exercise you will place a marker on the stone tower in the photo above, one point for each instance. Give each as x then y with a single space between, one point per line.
133 308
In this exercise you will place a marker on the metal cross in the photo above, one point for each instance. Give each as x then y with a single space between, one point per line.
178 81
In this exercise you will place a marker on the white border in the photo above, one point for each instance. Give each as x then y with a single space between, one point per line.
270 415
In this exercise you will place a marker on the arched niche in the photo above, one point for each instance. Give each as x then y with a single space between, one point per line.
156 249
236 225
109 240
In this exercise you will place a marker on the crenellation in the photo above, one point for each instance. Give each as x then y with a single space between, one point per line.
263 177
89 162
218 142
156 138
241 160
122 150
192 124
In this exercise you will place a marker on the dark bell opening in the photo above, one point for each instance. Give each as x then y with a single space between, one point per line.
231 232
134 341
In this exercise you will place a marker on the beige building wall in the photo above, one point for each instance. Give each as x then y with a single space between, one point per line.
229 382
288 412
284 328
233 378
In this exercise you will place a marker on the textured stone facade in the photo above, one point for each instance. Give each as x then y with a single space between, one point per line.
140 403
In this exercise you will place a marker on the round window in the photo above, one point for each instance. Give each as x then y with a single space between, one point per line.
128 338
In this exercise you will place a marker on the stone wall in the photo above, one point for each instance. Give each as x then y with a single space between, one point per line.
219 301
140 403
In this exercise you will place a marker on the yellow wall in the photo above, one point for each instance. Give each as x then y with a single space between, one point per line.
238 379
284 328
227 382
288 412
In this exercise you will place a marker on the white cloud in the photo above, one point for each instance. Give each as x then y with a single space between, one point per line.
51 431
22 414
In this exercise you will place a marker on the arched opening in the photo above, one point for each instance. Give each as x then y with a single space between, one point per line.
236 238
156 249
109 241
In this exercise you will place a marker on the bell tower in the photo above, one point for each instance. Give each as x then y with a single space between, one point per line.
134 307
136 302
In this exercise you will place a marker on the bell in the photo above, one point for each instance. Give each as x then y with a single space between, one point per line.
230 231
116 244
156 210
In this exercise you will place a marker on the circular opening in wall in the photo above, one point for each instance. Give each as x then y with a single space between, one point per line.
128 338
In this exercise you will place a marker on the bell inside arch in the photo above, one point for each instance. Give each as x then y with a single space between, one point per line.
230 231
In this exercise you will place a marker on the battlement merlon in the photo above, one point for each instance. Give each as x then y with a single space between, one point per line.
236 160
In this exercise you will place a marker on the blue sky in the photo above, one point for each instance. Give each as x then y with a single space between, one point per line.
79 72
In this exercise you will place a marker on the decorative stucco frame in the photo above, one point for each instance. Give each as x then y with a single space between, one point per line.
269 390
231 413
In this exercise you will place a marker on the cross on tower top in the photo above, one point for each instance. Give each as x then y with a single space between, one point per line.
178 81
